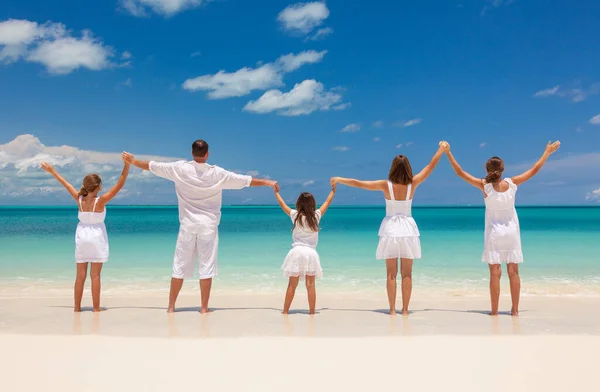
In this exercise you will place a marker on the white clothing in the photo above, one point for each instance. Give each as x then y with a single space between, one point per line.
399 235
195 248
91 240
502 233
199 189
303 259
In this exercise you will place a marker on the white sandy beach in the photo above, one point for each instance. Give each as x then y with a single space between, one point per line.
247 345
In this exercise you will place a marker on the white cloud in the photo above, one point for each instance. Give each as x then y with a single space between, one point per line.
302 18
195 54
320 34
125 83
575 92
351 128
308 183
126 55
340 148
409 144
341 106
376 139
399 145
162 7
377 124
245 80
409 123
593 195
53 46
304 98
482 145
595 120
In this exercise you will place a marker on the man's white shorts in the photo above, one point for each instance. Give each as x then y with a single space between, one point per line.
196 247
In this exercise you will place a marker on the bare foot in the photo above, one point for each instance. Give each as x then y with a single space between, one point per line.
98 310
77 310
405 313
393 312
171 310
493 313
514 313
312 313
204 311
285 312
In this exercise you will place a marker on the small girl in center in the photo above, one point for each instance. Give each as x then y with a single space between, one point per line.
303 259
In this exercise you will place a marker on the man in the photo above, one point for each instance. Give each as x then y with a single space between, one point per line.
199 189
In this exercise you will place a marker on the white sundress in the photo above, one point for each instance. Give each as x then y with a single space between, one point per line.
91 240
303 259
399 235
502 233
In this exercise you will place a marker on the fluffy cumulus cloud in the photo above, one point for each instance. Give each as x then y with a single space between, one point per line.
304 18
53 46
304 98
166 8
575 92
245 80
595 120
20 173
593 195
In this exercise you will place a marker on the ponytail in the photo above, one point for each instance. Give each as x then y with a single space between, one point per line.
493 177
83 192
91 183
494 168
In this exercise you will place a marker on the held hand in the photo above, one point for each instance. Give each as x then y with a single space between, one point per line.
333 187
444 146
275 186
552 147
47 167
334 180
127 157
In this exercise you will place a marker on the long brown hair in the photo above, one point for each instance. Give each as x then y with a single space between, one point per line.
494 168
91 182
401 171
306 207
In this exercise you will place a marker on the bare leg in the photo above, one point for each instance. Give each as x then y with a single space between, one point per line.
406 272
289 294
392 272
96 286
176 284
205 285
515 287
312 294
79 285
495 274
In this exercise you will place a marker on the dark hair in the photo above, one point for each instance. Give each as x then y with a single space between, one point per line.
91 182
199 148
401 171
494 168
306 207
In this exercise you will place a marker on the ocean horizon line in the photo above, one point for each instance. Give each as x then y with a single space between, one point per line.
275 206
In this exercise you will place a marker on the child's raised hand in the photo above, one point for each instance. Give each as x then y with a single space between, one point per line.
276 187
333 187
552 147
444 146
334 180
127 157
47 167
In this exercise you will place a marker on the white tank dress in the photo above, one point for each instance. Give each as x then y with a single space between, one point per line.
91 240
502 232
303 259
399 235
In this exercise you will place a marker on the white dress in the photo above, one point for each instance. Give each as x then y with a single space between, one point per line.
303 259
91 240
399 235
502 233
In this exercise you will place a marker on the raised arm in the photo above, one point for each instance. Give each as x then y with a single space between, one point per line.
476 182
328 201
70 188
108 196
550 149
282 203
263 182
379 185
427 170
129 158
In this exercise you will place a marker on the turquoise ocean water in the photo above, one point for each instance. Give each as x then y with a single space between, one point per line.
561 247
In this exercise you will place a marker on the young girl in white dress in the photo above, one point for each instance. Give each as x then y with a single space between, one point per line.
502 240
91 241
303 260
399 236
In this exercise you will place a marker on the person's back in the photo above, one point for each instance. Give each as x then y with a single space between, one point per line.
303 235
199 188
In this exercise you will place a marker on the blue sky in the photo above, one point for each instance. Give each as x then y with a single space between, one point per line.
80 84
